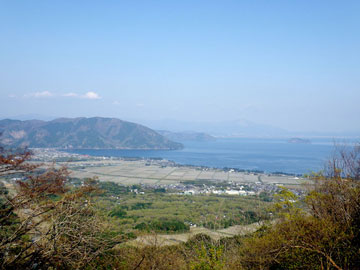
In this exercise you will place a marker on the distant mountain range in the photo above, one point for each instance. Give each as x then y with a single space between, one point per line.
236 128
242 128
85 133
186 136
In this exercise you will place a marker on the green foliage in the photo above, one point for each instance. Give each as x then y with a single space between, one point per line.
286 203
163 226
140 205
117 212
326 236
205 253
208 258
111 188
251 217
211 211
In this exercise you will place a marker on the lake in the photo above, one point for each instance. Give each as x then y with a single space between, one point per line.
268 155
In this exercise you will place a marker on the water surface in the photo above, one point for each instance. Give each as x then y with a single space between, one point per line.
268 155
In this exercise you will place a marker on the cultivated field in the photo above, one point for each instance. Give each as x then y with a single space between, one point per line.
141 172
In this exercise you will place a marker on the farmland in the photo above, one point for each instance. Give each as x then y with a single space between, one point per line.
157 171
147 195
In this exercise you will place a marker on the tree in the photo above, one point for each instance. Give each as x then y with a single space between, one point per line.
325 235
345 162
43 222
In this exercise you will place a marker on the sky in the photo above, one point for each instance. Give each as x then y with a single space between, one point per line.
290 64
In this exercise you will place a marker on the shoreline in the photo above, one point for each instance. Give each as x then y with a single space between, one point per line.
163 173
175 164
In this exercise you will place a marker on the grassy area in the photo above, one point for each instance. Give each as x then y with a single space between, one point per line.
132 210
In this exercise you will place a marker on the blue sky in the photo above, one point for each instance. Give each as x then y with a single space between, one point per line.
290 64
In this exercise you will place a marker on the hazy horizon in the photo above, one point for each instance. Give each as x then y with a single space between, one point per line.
291 65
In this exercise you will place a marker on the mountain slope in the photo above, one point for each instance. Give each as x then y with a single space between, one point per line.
96 132
186 136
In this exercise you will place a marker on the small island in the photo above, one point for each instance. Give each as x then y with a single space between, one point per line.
299 140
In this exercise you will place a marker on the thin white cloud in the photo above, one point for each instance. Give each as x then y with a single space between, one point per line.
139 105
12 96
91 95
116 102
70 95
42 94
46 94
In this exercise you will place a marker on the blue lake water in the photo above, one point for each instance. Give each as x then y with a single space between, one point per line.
268 155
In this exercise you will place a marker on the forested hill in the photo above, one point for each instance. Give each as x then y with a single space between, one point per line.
89 133
187 136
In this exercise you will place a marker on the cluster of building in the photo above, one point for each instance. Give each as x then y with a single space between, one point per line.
220 192
217 188
50 154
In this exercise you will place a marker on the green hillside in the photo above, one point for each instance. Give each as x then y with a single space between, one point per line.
96 132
